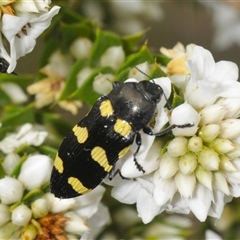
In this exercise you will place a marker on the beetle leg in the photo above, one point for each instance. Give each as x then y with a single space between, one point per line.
139 143
171 127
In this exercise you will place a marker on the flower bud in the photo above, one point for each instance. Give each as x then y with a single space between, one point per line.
195 144
11 190
226 164
113 57
204 177
81 48
188 163
40 207
209 159
102 83
168 166
212 114
10 162
75 224
222 145
220 182
177 147
235 153
185 184
29 232
35 171
230 128
21 215
5 215
209 132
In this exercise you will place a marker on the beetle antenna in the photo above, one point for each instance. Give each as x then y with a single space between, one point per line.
169 106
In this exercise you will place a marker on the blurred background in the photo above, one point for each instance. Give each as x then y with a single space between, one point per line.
215 25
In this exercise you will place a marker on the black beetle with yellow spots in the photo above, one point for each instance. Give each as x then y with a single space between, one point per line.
89 152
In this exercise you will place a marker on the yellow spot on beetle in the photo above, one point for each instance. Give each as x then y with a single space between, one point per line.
123 152
81 133
99 155
106 108
78 186
58 164
122 127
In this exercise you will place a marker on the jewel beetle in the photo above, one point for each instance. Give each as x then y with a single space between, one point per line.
89 152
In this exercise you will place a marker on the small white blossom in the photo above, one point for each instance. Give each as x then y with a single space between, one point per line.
40 207
37 168
113 57
81 48
11 190
21 215
10 162
22 30
26 136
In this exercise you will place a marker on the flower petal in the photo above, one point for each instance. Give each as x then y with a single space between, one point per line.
200 202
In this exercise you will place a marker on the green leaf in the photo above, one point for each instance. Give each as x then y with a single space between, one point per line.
4 98
15 115
85 91
177 99
103 41
157 72
71 81
21 80
49 151
32 195
130 42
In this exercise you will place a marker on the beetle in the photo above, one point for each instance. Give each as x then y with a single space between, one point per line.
89 152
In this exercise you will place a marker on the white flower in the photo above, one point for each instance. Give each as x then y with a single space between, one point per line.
11 190
35 171
81 48
21 215
40 207
198 168
10 162
113 57
22 30
26 136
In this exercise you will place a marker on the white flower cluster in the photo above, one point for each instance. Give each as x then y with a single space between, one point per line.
21 23
198 169
27 210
